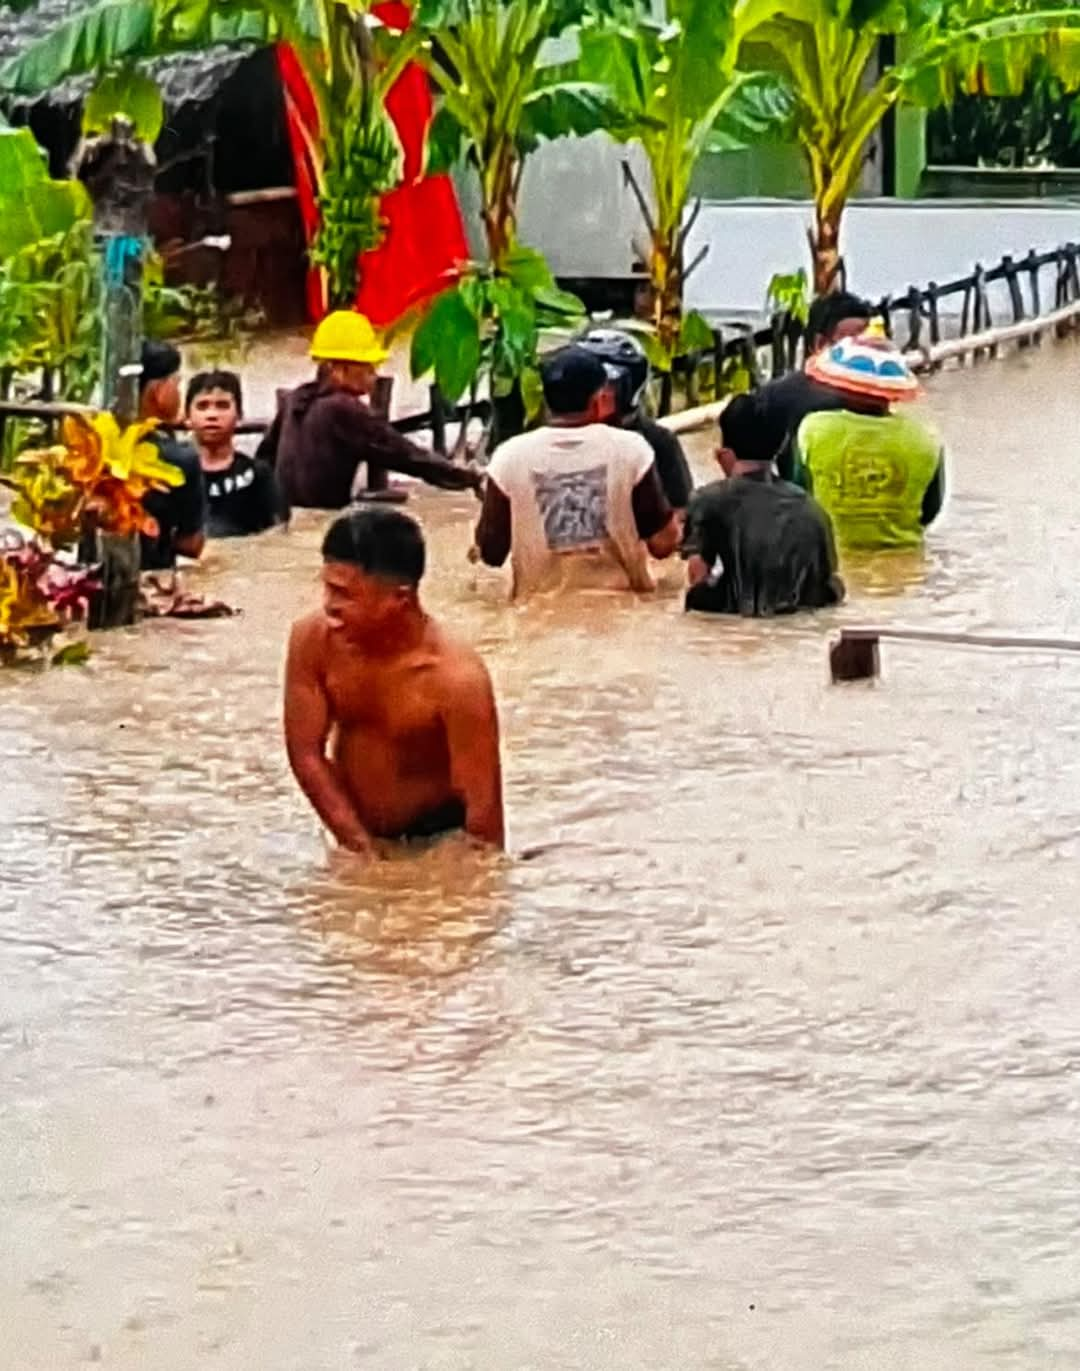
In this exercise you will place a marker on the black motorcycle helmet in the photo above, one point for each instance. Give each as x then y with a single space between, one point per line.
626 362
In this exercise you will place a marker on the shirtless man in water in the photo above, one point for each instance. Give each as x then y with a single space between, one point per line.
409 715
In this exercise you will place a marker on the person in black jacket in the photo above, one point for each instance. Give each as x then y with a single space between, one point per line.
325 431
628 368
180 511
789 399
756 545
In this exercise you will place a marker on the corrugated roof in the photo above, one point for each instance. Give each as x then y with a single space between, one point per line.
183 80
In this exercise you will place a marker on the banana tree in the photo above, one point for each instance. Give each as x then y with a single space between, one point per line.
679 96
829 52
349 62
501 92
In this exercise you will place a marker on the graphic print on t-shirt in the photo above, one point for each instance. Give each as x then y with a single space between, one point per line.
217 489
573 507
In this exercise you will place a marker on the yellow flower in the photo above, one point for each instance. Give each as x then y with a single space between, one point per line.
124 452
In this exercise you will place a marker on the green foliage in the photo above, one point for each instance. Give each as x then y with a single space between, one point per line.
489 326
788 293
500 94
349 63
214 327
1039 128
827 51
678 95
33 206
125 92
695 334
50 297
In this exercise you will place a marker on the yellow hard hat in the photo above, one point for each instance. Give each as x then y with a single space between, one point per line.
347 337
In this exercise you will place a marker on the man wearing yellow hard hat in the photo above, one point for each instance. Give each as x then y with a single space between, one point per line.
325 431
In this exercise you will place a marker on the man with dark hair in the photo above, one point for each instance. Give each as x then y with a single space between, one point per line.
628 370
325 431
180 511
756 545
577 501
241 491
408 715
787 400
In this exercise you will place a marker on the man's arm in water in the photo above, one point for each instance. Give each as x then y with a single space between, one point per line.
494 531
307 729
376 441
657 525
934 498
472 734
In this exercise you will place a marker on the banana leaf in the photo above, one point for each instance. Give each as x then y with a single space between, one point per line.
33 206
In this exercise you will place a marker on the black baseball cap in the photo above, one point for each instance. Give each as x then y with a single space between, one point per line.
572 376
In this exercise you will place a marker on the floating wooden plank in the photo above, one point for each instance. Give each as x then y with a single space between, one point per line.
856 654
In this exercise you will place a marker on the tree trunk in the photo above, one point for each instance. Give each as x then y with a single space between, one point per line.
825 250
665 271
502 182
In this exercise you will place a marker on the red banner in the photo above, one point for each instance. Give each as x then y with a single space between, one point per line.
425 235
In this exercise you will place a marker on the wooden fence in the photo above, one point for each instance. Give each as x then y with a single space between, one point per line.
919 319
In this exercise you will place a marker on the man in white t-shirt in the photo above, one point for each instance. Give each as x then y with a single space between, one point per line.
576 503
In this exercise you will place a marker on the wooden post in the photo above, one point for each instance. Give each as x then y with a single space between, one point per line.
718 361
1033 280
776 326
935 317
914 319
438 421
118 171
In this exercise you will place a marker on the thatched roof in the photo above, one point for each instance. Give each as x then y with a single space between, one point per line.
183 80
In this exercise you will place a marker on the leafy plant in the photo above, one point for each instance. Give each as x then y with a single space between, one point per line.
1038 128
679 96
488 326
55 291
787 293
96 477
828 52
35 207
129 93
500 93
39 597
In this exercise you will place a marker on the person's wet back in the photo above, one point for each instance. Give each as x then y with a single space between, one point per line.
879 474
408 715
757 545
325 432
576 503
241 491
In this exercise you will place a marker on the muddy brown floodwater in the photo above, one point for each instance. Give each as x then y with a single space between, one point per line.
766 1062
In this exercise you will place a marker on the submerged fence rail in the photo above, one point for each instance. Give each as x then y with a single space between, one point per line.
1018 300
1035 294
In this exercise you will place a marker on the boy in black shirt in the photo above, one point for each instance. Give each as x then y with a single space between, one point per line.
755 545
241 491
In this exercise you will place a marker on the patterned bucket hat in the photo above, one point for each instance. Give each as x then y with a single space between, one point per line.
870 364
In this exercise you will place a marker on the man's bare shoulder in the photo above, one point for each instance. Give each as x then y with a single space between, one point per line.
459 667
308 636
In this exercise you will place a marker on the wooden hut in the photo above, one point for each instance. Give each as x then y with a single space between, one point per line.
224 162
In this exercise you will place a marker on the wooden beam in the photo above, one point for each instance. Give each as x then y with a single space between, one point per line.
855 654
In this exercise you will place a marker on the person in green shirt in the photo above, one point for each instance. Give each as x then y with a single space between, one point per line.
879 474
